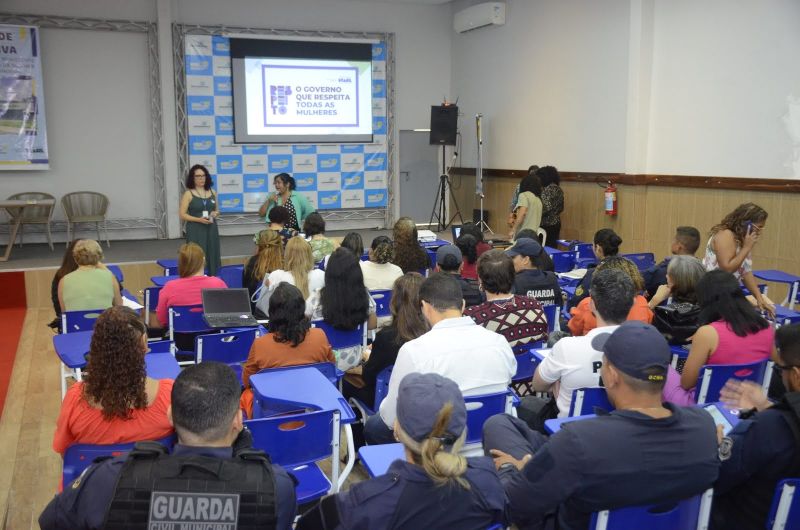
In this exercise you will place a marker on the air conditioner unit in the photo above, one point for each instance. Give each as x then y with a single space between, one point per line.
479 16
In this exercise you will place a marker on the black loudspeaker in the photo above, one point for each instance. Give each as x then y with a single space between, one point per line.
444 125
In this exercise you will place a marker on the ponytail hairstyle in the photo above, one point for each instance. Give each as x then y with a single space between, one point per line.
287 180
382 250
438 454
608 240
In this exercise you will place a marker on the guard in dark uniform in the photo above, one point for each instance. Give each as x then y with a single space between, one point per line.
212 479
531 281
763 448
407 496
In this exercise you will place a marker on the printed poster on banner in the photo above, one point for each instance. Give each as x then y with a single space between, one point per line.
329 176
23 135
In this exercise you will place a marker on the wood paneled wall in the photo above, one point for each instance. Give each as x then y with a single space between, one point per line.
648 216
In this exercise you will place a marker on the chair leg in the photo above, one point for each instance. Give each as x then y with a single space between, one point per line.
21 234
69 229
97 226
49 237
105 229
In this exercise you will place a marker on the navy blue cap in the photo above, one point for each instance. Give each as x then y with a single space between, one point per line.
637 349
419 400
525 246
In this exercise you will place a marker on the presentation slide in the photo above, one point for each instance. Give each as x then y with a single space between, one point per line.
319 98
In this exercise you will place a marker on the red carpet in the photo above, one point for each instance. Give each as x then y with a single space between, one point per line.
13 306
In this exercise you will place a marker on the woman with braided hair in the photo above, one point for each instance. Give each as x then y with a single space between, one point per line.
116 402
379 271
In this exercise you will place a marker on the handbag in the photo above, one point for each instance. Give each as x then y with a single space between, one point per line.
677 321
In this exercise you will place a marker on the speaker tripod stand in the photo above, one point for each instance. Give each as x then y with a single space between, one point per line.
439 203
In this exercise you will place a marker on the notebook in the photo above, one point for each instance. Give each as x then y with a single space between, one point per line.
227 308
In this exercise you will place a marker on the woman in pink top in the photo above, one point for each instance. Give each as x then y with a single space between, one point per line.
187 289
731 332
116 402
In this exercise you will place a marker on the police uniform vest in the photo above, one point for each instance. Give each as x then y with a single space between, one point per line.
159 491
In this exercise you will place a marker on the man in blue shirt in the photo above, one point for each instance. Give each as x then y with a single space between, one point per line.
686 242
211 468
643 452
764 447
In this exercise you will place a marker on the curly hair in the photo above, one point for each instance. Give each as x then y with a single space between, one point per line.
382 250
278 215
287 319
468 246
115 370
189 183
269 256
548 175
532 184
87 252
314 224
737 221
408 255
626 266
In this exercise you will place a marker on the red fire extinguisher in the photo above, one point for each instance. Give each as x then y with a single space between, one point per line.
611 199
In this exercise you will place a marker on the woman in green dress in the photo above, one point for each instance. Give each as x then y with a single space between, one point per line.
200 209
286 196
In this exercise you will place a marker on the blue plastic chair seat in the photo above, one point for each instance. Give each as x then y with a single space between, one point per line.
784 513
687 514
376 459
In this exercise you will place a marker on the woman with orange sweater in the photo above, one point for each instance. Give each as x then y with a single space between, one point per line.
583 321
291 340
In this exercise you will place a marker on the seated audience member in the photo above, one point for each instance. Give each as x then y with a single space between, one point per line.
478 360
407 324
764 447
291 340
434 486
583 319
685 243
475 231
116 402
531 281
520 319
606 244
574 362
641 453
468 246
91 285
278 218
677 321
314 228
408 254
268 258
379 271
299 271
213 454
186 290
449 261
354 243
731 332
543 261
344 303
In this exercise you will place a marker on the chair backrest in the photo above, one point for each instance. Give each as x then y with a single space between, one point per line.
160 346
229 347
643 260
78 457
583 251
382 385
688 514
117 272
481 408
383 299
150 301
297 439
552 313
340 338
231 275
40 214
785 512
525 366
542 233
186 319
563 261
84 204
327 369
73 321
584 400
713 377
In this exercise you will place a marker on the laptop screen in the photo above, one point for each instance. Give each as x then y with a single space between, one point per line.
226 301
456 232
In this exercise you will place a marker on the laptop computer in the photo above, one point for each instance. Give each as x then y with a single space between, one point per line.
456 230
227 308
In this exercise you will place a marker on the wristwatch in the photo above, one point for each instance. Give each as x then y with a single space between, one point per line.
508 466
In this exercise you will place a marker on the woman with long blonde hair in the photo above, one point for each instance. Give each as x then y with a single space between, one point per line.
298 269
433 486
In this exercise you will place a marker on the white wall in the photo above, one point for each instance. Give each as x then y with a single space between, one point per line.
551 85
422 72
722 72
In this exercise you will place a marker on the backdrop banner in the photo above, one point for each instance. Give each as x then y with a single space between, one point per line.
23 136
330 176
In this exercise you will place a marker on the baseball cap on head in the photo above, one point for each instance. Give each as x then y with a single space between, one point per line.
636 349
525 247
448 256
419 400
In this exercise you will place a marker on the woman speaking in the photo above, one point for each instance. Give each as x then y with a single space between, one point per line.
298 206
200 209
